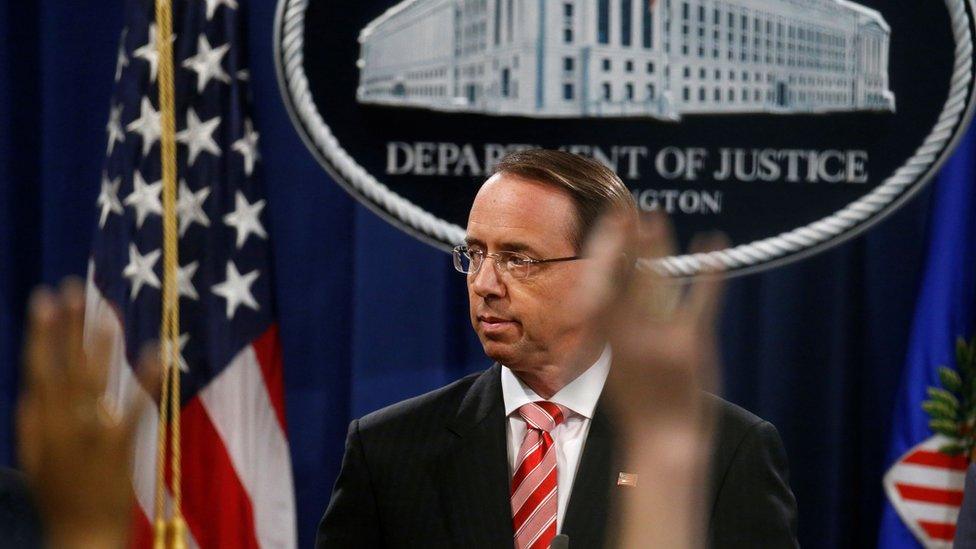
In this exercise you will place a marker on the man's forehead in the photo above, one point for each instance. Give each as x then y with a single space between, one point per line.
531 237
514 210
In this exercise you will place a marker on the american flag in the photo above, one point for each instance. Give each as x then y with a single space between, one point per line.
237 480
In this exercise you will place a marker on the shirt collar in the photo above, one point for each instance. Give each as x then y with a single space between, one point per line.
580 395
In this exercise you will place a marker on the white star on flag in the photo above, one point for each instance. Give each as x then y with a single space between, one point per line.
212 6
206 63
184 280
198 136
147 125
236 289
121 61
248 146
150 51
181 362
244 218
114 127
189 207
140 269
108 199
145 198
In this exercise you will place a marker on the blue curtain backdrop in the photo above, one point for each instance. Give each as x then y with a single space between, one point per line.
370 316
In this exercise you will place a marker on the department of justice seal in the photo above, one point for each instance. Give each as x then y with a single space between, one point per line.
790 125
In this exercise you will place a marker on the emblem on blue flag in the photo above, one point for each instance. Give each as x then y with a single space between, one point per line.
925 485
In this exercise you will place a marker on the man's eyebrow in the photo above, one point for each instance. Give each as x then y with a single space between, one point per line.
509 246
516 246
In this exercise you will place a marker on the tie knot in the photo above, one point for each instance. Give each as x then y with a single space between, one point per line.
542 415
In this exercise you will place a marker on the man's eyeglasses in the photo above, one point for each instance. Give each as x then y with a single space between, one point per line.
469 261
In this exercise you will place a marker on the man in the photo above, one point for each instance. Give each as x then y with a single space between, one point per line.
525 450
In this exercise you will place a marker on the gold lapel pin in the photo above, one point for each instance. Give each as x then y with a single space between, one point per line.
627 479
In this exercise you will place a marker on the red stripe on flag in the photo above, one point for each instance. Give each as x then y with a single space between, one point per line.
267 348
216 507
937 459
930 495
939 530
141 531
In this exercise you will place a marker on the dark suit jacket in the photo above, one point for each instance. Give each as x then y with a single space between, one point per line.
432 471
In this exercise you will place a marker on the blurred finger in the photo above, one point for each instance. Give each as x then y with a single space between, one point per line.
657 236
91 378
149 371
40 353
608 265
657 294
705 294
72 293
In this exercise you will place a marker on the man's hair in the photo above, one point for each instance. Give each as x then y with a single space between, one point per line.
594 188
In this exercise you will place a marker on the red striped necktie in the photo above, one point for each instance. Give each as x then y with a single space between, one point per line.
534 492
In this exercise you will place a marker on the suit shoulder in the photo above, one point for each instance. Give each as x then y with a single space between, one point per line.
733 420
753 504
419 409
736 425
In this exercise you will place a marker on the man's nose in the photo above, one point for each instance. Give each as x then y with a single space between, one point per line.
487 282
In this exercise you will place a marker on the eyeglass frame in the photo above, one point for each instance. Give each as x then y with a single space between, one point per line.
531 262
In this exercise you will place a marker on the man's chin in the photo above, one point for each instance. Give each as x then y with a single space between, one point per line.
501 352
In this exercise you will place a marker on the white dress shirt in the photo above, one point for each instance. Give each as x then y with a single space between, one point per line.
580 397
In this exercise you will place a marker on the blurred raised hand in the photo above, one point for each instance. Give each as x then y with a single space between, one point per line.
75 450
662 333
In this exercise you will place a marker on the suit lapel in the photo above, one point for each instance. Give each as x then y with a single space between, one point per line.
589 504
472 476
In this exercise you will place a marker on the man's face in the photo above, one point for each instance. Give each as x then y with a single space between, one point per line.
524 323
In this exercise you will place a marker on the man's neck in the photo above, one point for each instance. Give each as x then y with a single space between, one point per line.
547 379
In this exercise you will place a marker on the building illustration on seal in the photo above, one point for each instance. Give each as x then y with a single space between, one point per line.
613 58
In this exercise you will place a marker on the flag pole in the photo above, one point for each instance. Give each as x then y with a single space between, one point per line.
171 318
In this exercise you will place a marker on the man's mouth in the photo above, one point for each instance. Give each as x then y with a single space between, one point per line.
490 323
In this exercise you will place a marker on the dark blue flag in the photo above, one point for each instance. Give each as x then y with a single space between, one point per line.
924 485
